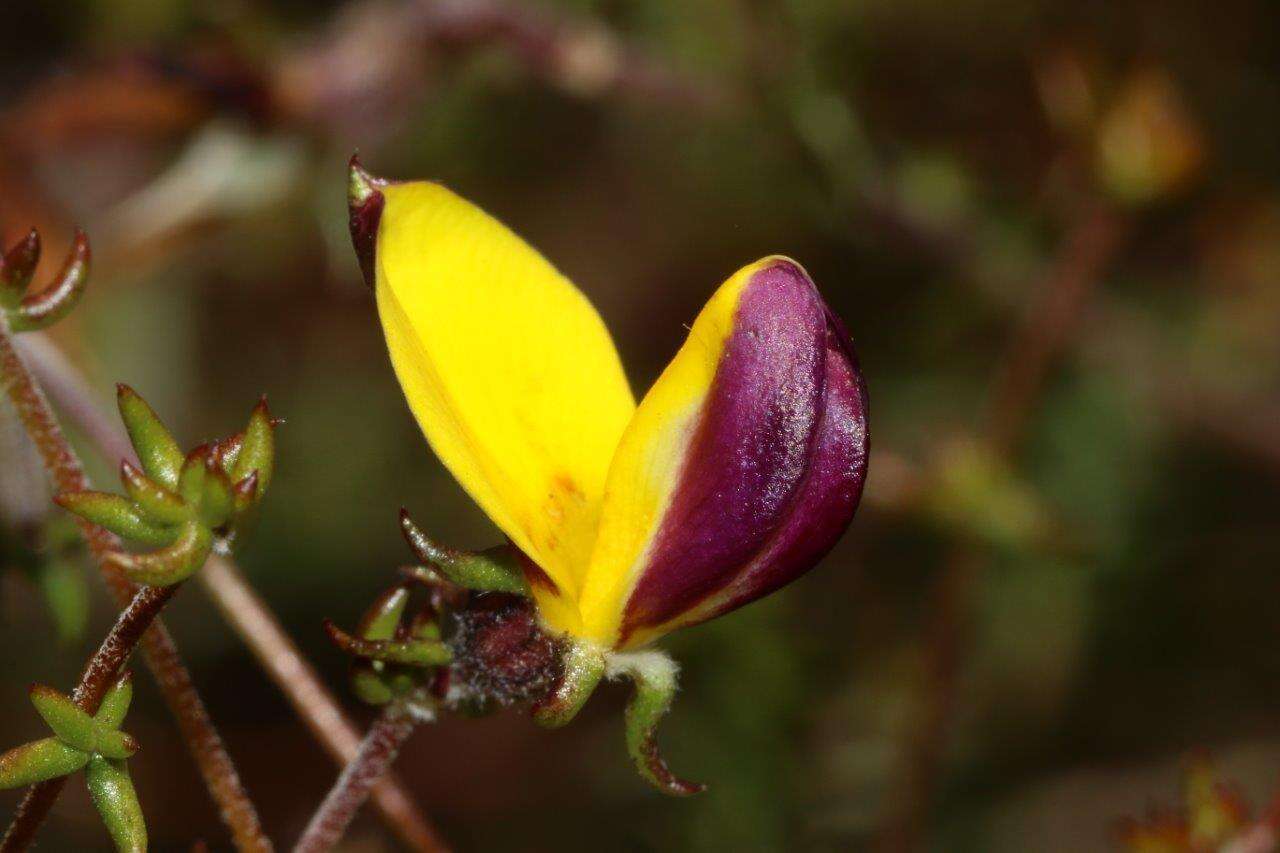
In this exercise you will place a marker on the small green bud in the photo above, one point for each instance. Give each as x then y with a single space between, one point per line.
71 724
117 514
38 761
158 451
114 796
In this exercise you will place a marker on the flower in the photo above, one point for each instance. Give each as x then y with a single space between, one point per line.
735 474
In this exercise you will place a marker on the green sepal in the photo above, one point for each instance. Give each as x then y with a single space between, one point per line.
16 269
115 705
38 761
408 652
495 570
116 744
215 498
68 721
159 503
43 309
156 448
583 668
191 477
170 565
117 514
382 618
654 675
114 796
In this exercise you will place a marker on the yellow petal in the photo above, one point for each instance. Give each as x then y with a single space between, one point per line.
650 458
510 372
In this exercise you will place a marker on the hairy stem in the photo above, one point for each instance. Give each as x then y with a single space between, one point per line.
99 674
203 740
244 610
374 758
281 659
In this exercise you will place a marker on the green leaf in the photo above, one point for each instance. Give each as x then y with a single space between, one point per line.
63 586
408 652
158 451
654 675
39 760
115 704
173 564
117 802
115 744
383 616
257 451
191 477
495 570
215 498
43 309
117 514
159 503
71 724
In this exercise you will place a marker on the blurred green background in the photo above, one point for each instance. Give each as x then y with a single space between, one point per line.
1052 229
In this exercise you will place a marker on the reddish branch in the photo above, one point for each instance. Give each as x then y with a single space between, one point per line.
373 761
67 474
243 609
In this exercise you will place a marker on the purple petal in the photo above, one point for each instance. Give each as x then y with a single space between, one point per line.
752 452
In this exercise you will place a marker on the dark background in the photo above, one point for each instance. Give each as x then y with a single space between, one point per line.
1053 230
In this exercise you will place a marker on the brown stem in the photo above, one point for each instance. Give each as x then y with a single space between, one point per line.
374 758
99 674
243 609
203 740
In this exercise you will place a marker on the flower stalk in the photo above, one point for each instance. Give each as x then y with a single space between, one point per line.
377 752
